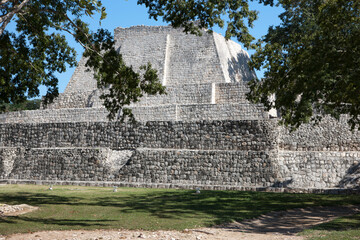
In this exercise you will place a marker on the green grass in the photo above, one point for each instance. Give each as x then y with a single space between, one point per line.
72 207
341 228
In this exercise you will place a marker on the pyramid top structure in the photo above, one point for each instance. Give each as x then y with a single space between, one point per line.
204 77
180 58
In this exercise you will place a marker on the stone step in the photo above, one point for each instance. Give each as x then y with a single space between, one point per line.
194 112
178 95
234 111
231 93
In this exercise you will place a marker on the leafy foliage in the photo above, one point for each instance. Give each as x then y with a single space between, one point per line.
27 105
39 49
193 15
121 85
31 57
311 61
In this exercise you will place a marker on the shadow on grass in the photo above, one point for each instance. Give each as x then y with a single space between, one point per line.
36 199
218 206
340 224
60 222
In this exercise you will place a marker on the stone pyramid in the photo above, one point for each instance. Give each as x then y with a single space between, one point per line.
203 133
204 76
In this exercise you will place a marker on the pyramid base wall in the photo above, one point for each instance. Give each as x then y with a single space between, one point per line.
243 155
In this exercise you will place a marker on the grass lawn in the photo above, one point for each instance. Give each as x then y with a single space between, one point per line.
73 207
340 228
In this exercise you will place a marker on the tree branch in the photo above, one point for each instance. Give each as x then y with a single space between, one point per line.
71 33
5 21
2 2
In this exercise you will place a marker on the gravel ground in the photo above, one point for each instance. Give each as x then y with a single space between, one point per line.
14 210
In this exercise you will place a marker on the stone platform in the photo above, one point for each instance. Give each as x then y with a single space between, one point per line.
202 133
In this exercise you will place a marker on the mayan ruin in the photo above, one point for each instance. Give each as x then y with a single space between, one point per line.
202 133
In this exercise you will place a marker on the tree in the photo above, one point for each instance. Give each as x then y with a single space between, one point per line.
193 15
30 57
27 105
311 62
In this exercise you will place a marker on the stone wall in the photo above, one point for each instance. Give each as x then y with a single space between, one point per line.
187 64
55 115
79 99
320 156
190 94
140 45
318 169
219 152
82 79
196 112
249 153
180 95
328 135
203 135
182 58
231 93
214 167
192 59
233 111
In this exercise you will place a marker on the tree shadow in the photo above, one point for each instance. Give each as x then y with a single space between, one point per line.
340 224
294 221
238 68
6 220
36 199
351 179
57 221
218 206
283 184
49 198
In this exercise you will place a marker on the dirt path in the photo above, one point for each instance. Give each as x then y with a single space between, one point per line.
276 225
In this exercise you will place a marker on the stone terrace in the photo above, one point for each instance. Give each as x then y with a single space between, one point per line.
202 133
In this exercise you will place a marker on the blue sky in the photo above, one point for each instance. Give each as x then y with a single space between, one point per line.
126 13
